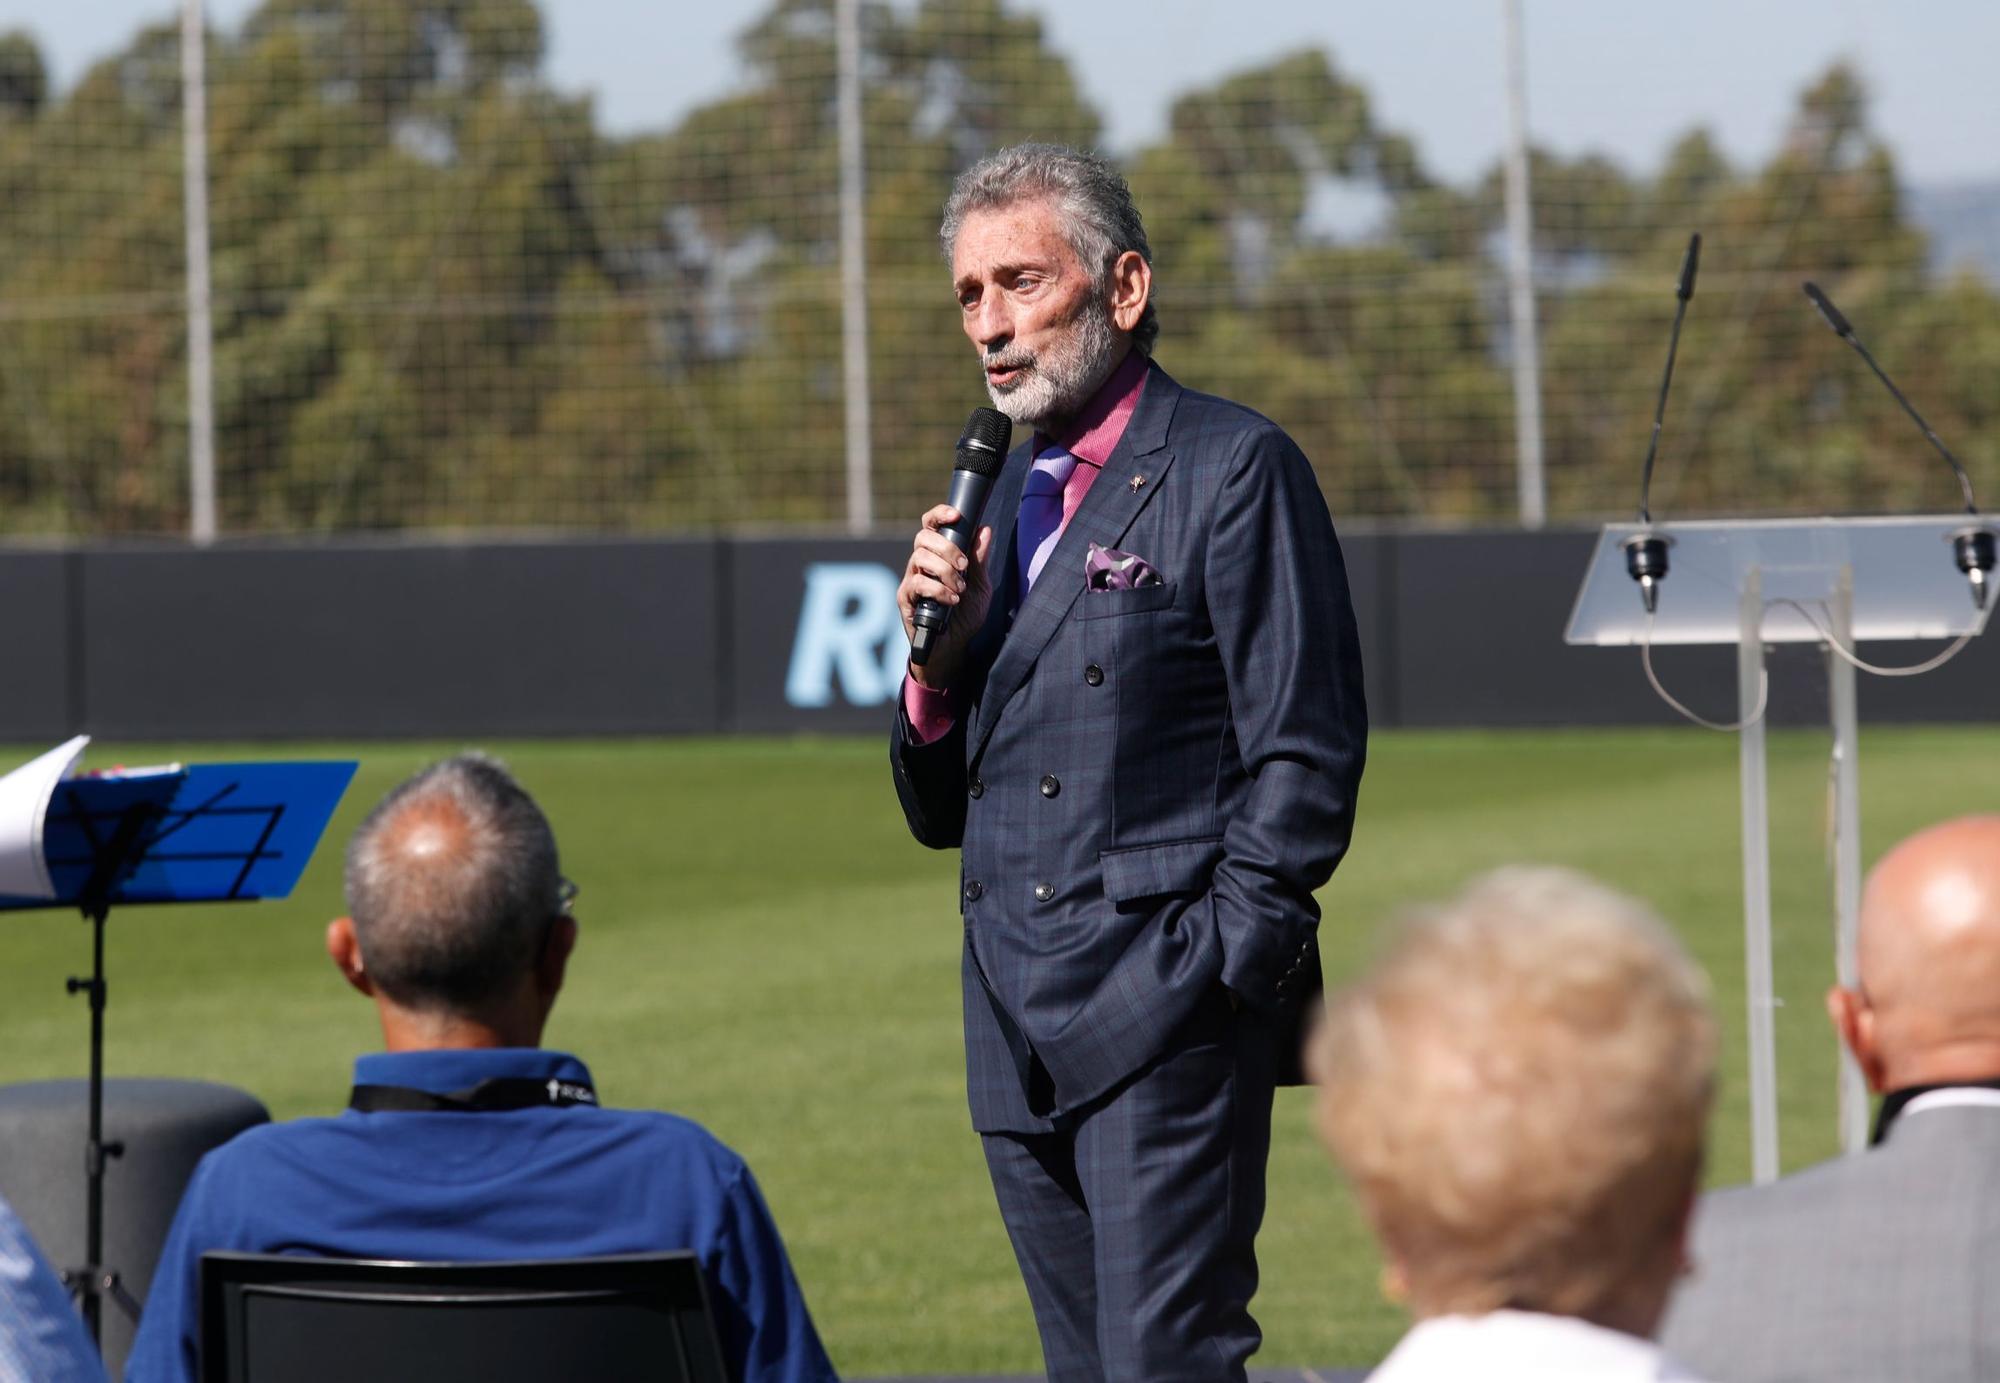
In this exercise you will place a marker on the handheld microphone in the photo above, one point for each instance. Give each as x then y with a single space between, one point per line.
1646 553
1972 546
982 450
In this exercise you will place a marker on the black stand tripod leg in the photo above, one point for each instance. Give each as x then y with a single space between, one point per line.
93 1281
90 1280
113 1286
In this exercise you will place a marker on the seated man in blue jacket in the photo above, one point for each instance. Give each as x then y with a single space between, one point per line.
464 1138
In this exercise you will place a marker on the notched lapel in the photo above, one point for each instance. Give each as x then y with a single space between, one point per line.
1106 513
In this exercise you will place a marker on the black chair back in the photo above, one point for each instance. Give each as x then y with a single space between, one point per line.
271 1317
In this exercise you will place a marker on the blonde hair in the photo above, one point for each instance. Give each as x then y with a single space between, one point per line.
1518 1090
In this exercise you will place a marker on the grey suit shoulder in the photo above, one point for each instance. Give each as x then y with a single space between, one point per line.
1874 1267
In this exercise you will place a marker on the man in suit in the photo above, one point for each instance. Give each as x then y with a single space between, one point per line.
1877 1266
1144 729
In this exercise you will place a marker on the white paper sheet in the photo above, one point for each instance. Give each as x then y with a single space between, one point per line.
24 806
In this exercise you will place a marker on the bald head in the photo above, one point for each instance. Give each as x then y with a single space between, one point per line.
1930 957
452 883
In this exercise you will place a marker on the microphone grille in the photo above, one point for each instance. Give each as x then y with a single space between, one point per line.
982 448
1689 264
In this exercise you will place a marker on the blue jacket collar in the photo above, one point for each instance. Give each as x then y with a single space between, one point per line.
440 1072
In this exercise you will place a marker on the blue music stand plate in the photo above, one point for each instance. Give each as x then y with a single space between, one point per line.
214 833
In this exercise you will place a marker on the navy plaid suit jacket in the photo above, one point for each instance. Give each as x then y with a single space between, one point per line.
1146 785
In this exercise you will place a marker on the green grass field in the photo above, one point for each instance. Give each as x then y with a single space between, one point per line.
764 949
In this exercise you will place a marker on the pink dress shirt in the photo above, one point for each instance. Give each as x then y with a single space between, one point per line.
1091 437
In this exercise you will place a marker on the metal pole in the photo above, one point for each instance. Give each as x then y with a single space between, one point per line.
853 265
94 1150
1853 1103
1758 992
200 332
1527 350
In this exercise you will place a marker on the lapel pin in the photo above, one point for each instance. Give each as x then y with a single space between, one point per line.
1137 481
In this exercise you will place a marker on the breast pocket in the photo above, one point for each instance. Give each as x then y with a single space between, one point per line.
1110 604
1154 656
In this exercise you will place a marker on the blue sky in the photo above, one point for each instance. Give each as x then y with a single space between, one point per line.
1614 76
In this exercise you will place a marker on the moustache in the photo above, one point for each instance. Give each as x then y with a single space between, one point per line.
1008 359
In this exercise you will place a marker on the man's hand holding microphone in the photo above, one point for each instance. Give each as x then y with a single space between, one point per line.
946 589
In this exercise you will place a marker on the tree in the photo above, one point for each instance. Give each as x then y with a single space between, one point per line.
1357 342
442 296
1769 411
24 78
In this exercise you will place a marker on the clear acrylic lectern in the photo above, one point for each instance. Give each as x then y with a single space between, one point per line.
1758 582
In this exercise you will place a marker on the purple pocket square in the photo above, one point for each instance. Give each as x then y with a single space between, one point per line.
1108 569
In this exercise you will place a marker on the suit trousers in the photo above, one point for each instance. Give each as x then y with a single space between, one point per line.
1135 1221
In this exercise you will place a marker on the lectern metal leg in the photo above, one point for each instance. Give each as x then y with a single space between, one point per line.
1757 987
1846 846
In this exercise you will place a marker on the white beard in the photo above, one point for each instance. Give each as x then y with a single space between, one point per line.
1054 384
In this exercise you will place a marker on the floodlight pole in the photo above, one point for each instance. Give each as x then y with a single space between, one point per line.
1527 350
853 265
200 329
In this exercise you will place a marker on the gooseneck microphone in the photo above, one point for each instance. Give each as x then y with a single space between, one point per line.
1646 553
982 450
1972 546
1845 331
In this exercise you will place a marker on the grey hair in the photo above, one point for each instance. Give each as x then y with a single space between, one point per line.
449 929
1519 1090
1092 200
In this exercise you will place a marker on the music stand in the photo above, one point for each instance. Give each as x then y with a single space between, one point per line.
178 834
1758 582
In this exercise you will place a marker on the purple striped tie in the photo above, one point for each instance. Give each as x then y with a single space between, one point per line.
1040 521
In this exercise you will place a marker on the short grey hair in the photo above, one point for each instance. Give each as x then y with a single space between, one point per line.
1092 201
1519 1091
446 929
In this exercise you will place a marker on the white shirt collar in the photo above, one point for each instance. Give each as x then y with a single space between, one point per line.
1519 1346
1956 1096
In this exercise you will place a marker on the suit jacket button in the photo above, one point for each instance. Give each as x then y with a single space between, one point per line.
1050 787
1284 987
1094 675
976 788
1044 892
974 890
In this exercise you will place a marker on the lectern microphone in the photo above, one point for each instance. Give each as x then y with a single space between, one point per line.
1973 547
1646 553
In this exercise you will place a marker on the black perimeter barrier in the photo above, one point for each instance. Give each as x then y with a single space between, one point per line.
385 638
